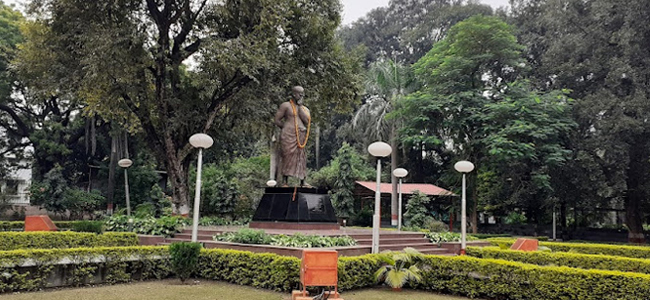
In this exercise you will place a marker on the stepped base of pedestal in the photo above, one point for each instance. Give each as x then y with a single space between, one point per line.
295 208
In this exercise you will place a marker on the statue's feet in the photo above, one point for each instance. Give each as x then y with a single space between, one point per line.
285 185
306 185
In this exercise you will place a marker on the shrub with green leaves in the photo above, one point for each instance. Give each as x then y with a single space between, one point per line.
184 258
245 236
166 226
87 226
312 241
62 240
574 260
445 237
417 213
252 236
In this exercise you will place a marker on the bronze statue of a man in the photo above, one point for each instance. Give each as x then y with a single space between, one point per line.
295 121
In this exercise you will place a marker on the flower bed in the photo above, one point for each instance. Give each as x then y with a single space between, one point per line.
259 237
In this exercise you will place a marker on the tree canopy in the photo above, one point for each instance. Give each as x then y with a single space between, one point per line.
175 68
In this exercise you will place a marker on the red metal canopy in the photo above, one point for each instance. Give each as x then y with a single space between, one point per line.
408 188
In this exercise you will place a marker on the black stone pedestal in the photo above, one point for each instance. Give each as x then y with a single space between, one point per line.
295 208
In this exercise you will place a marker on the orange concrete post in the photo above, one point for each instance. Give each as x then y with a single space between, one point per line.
525 245
39 223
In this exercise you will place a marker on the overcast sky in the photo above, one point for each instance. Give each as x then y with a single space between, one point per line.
355 9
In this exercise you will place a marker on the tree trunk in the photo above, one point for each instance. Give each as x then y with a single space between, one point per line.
634 218
474 214
317 147
393 179
564 234
178 177
636 177
111 176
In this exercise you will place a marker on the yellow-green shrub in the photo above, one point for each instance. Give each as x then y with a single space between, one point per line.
62 240
30 269
614 250
574 260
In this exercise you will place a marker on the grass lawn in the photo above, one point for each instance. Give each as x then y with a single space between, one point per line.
172 290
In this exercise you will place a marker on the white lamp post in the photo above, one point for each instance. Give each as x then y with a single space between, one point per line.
201 141
400 173
463 167
125 163
378 150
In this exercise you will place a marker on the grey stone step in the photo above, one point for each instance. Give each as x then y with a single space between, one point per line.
392 241
416 246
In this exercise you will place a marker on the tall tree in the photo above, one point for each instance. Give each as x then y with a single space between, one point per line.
597 49
343 193
130 63
405 30
474 104
386 82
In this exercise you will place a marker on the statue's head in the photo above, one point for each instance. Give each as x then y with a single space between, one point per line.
297 94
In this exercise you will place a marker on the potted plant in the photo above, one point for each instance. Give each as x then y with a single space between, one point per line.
400 268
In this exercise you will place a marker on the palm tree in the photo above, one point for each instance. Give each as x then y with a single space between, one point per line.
400 268
386 82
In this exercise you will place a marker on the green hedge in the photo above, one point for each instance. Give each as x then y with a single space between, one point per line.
574 260
467 276
118 264
499 279
12 225
62 240
260 270
604 249
463 275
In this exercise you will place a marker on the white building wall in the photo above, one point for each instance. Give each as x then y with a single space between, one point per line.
21 179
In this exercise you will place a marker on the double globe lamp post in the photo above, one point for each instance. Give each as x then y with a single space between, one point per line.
378 150
201 141
463 167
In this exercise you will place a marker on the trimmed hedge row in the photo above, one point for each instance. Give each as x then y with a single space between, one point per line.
63 240
574 260
603 249
499 279
468 276
31 269
260 270
12 225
